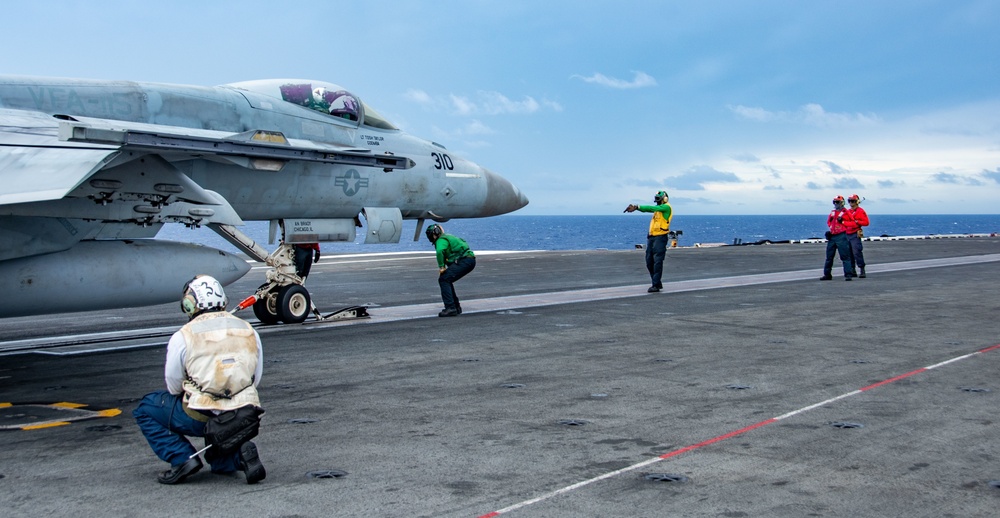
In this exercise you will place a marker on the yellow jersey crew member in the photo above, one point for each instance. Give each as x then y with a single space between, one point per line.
658 237
214 364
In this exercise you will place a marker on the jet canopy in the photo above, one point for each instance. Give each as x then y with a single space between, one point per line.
321 96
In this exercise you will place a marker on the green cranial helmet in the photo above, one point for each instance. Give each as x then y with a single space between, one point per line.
660 197
433 232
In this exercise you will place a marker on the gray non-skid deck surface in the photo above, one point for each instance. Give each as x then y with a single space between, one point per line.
466 416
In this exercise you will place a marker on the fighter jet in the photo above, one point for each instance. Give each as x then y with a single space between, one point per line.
91 170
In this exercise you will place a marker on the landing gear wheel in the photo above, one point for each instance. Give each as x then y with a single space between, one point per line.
266 310
292 303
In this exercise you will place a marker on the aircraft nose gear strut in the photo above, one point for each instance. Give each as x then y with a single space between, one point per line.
282 298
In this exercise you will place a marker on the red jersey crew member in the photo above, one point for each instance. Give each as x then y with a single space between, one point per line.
656 240
305 255
855 234
839 221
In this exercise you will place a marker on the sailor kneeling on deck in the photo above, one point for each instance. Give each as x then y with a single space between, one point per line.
213 366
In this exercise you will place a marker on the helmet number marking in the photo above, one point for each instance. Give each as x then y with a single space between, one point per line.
208 289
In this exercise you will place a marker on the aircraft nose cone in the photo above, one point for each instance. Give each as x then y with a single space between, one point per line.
501 196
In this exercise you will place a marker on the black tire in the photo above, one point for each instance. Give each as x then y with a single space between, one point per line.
266 310
293 304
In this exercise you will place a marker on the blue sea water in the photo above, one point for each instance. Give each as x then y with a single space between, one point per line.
618 232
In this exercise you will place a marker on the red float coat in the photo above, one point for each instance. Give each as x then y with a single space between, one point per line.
840 221
860 219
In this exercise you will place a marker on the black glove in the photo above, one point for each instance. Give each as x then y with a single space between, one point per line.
316 257
829 235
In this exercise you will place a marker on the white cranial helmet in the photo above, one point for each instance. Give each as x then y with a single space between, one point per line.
203 293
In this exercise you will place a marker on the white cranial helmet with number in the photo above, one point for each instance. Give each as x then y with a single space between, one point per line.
203 293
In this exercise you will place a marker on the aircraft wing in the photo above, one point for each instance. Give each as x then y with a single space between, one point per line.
44 157
255 149
36 165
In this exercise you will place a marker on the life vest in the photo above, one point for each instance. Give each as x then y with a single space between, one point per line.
660 225
839 227
219 362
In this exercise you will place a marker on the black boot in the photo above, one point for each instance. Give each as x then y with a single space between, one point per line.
177 474
862 273
250 463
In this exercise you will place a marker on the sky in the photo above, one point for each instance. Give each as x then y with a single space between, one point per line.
732 107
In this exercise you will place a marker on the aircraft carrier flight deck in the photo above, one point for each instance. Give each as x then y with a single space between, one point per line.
747 387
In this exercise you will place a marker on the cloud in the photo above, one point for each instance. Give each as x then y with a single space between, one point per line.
638 182
847 183
496 103
834 168
694 201
695 178
476 127
954 179
418 96
992 175
810 114
813 186
945 178
888 184
745 157
473 128
640 80
483 103
462 105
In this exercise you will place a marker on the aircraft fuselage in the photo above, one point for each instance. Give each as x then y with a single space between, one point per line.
111 162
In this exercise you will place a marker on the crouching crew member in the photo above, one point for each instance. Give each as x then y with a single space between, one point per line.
455 260
213 365
839 221
656 240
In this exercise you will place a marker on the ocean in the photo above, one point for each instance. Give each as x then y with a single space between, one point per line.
617 232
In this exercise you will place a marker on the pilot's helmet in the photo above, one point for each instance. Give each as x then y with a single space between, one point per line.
838 201
203 293
319 95
660 198
854 198
434 232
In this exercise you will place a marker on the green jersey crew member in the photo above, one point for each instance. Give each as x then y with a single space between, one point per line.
455 260
656 240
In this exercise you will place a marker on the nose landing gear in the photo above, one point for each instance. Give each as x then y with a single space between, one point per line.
282 298
289 304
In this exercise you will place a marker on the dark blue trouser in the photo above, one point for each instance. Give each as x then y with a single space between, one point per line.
455 271
656 250
857 258
160 415
837 244
303 262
